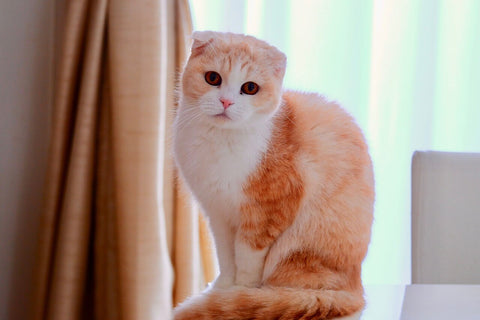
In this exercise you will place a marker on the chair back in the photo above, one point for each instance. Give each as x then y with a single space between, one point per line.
445 217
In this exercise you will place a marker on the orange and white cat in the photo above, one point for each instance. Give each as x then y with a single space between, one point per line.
285 179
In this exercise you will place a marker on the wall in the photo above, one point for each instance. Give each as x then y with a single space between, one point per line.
26 72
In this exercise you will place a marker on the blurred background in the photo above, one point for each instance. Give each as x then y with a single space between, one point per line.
408 71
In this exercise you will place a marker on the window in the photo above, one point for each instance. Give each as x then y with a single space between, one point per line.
407 71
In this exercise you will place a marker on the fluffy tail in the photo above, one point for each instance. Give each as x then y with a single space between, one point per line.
269 303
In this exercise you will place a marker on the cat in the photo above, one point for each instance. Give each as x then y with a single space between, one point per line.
285 179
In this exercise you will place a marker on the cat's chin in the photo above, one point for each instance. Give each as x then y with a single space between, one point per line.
223 121
222 116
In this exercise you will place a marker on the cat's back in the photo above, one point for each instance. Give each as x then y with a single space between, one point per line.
318 118
331 144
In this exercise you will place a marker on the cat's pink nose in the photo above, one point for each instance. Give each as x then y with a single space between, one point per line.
226 103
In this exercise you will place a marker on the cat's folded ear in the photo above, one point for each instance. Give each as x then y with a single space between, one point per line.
201 40
279 61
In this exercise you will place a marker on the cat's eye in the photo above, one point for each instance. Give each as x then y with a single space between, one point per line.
213 78
250 87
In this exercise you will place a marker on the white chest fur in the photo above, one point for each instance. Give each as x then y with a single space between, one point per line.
216 163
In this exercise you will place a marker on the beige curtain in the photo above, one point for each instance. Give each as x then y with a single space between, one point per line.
111 243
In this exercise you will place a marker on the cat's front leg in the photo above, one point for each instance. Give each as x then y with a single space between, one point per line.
224 242
249 262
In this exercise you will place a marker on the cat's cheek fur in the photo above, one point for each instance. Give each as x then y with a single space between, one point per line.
267 100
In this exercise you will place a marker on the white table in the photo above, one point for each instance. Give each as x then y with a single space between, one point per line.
422 302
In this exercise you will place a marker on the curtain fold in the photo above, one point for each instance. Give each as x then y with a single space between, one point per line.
106 245
105 259
191 243
64 238
192 248
135 61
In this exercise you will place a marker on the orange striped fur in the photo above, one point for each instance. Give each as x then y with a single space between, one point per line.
286 181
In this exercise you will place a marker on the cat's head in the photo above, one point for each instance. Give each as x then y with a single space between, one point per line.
233 80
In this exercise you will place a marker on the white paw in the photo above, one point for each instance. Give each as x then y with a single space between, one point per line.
249 262
222 282
248 279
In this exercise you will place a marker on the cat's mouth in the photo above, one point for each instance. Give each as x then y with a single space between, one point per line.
223 116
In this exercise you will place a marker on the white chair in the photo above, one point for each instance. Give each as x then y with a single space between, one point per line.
446 217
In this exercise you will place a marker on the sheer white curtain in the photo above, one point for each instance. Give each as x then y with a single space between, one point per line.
408 71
